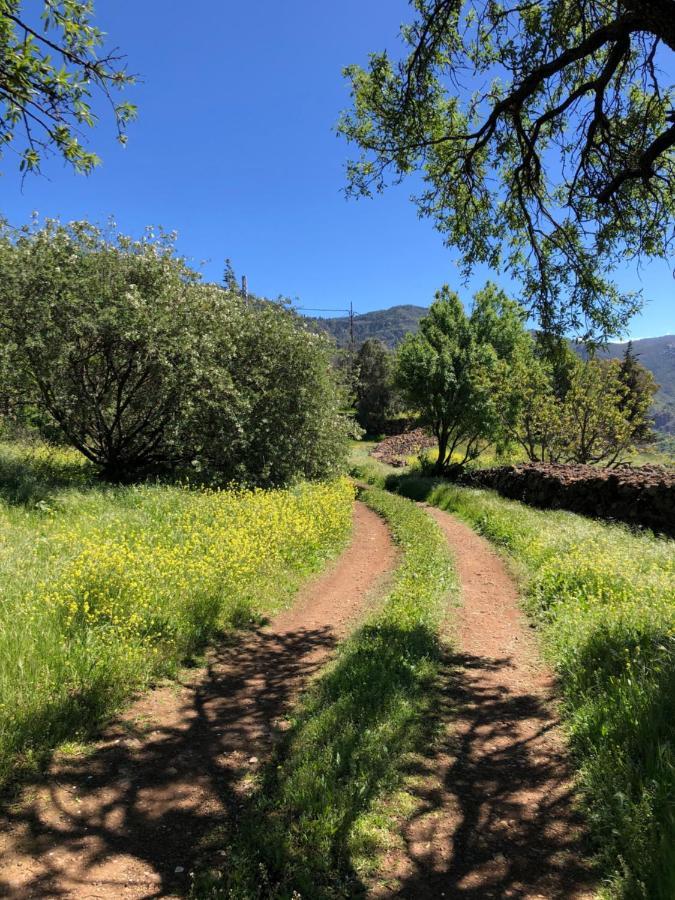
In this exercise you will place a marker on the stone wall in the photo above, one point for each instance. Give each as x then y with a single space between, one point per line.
642 495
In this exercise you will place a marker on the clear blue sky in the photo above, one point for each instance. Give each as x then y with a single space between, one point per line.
234 148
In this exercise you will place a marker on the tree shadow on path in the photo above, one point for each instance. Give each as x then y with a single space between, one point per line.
497 816
126 819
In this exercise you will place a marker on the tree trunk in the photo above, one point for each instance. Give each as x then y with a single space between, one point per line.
442 437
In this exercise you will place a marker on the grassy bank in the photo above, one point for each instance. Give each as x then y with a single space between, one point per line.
105 589
604 598
317 820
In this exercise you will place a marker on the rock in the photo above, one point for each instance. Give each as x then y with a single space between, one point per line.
643 495
396 449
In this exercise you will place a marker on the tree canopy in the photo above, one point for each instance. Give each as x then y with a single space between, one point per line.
545 134
375 392
572 410
144 369
456 371
52 68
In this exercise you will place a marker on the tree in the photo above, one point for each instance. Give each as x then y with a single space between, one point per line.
545 135
230 282
146 370
375 392
51 69
640 390
535 423
594 427
576 411
455 370
106 337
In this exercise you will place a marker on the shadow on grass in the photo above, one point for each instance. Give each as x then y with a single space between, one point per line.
349 746
622 689
31 476
139 807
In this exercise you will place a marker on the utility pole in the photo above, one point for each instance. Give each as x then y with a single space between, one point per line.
351 326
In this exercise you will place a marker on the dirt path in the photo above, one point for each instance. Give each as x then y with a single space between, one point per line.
496 816
125 820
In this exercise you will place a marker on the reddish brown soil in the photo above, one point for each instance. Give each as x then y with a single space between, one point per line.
126 819
496 814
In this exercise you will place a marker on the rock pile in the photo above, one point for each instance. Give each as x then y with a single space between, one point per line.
395 450
642 495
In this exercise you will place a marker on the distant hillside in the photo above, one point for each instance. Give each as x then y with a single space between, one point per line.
387 325
392 325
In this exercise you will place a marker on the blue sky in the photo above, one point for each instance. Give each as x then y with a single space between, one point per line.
234 148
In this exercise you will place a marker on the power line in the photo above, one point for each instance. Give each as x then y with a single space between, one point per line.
319 309
350 313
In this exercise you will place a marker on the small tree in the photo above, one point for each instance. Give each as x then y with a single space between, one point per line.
535 423
230 282
640 387
375 391
573 410
595 427
454 370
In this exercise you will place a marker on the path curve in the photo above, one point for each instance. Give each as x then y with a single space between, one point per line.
125 820
496 817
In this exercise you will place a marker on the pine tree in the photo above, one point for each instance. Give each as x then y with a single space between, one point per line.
640 388
229 277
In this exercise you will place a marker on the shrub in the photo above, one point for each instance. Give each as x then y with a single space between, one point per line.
145 370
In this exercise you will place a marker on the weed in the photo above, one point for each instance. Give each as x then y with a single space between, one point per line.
113 588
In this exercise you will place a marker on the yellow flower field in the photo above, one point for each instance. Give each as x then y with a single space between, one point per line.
105 589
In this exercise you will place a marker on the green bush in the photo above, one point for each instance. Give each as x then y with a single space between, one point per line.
145 370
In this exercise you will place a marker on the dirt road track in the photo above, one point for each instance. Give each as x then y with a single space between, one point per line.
496 816
124 820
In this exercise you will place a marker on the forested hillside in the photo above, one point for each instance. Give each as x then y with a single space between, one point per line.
391 325
387 325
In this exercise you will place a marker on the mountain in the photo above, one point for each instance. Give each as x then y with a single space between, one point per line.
391 325
387 325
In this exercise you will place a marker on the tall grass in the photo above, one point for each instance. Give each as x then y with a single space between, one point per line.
605 600
104 590
310 829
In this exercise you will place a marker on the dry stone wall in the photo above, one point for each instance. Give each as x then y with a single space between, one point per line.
642 495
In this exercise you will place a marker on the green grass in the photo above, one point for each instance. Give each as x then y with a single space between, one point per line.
320 814
604 599
106 589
